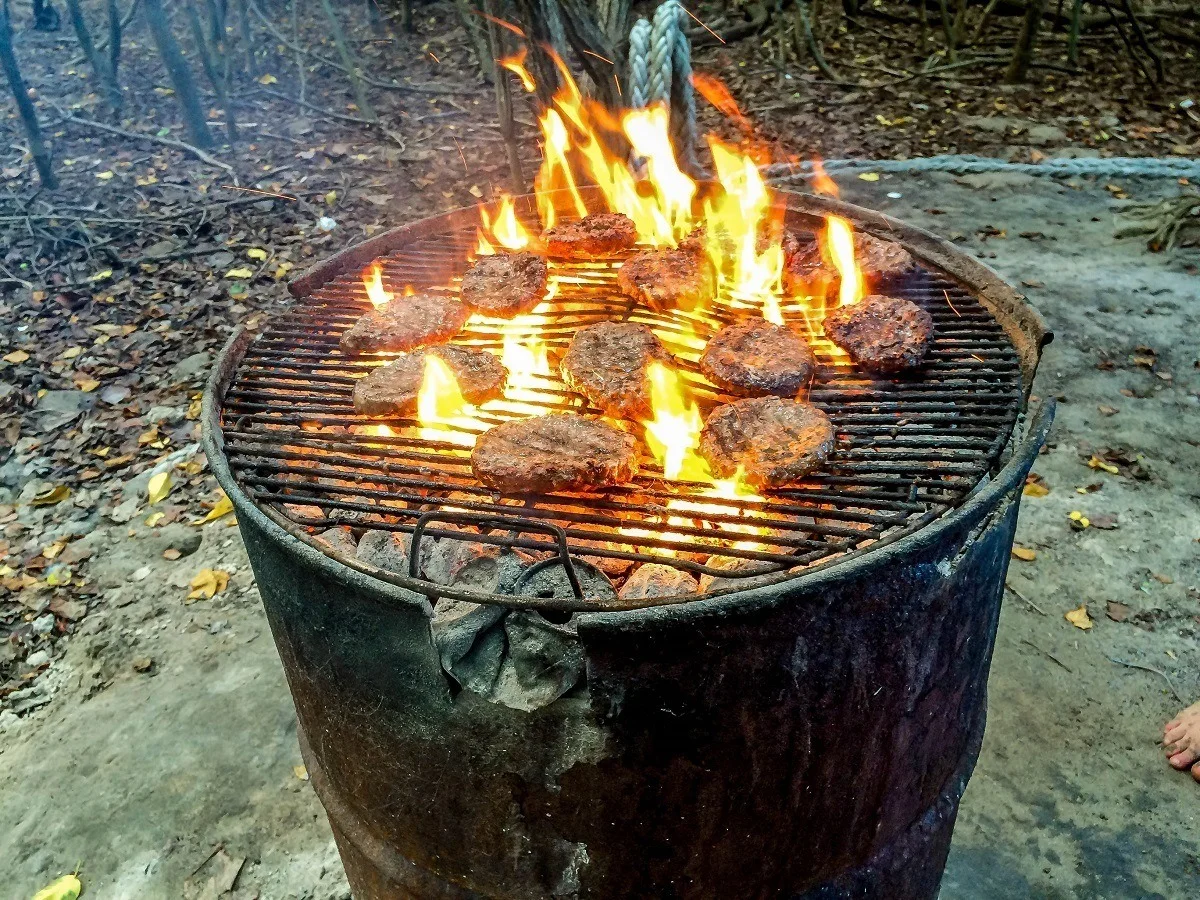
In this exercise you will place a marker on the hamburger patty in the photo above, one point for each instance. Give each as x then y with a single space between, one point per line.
391 390
774 441
804 268
754 358
406 322
553 453
505 284
882 334
597 234
666 280
608 362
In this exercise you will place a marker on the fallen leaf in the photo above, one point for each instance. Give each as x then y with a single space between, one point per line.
300 772
195 408
239 273
1104 521
207 584
58 575
1079 617
1107 410
267 79
256 253
53 550
104 176
65 888
87 385
159 487
1162 579
50 496
1078 520
1118 612
1026 553
71 352
869 176
101 275
1097 463
1035 486
17 356
171 553
154 518
222 508
143 664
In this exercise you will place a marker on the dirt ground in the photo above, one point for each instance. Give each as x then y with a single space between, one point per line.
137 777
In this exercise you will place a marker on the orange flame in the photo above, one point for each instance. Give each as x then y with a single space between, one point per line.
821 182
516 65
840 244
503 230
714 91
673 434
373 282
441 403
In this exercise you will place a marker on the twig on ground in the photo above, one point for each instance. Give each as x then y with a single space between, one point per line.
1165 676
1047 654
1021 596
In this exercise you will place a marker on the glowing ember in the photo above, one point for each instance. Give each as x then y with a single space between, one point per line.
839 236
440 403
373 282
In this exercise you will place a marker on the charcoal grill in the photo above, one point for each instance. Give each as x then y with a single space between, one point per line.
716 745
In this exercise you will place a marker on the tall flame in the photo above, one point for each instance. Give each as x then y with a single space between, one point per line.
441 403
516 65
840 242
503 229
674 433
373 282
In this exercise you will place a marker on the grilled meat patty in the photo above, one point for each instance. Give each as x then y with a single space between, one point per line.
806 271
754 358
608 362
597 234
882 334
504 285
406 322
553 453
666 280
391 390
774 441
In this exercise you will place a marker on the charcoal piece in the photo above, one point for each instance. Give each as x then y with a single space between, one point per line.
609 363
553 453
739 570
341 539
505 284
597 234
882 334
404 323
657 580
392 390
773 441
667 280
385 550
754 358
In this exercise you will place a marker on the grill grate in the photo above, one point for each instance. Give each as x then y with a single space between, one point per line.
908 448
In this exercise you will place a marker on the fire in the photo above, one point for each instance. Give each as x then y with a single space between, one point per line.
441 403
516 65
674 433
839 236
528 364
821 182
373 282
503 229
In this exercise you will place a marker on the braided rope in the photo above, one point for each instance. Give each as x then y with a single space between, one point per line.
683 100
1109 167
662 50
639 64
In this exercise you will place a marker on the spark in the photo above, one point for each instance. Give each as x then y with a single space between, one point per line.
701 23
433 57
599 57
234 187
501 22
951 305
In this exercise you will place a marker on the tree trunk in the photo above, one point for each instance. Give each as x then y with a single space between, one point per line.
33 131
504 106
114 40
353 69
1073 34
1022 56
215 68
180 74
45 16
105 79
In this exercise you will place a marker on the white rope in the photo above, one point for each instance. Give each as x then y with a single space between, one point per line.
660 71
1104 167
638 87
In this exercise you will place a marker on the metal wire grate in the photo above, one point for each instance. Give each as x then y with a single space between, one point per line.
908 448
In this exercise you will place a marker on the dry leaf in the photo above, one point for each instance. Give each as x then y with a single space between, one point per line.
65 888
53 549
1162 579
257 253
87 385
1118 612
207 584
154 518
50 496
1104 521
239 273
1078 520
1079 617
1097 463
194 409
171 553
143 664
1026 553
159 487
300 772
1035 486
104 176
17 356
222 508
869 176
267 79
71 352
1107 410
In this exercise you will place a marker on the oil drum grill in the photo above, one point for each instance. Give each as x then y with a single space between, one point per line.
909 448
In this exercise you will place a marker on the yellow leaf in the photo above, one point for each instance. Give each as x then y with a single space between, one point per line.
475 191
154 518
71 352
223 507
239 273
300 772
50 496
1078 519
17 356
147 437
1097 463
87 385
869 176
1026 553
159 487
65 888
267 79
331 198
100 276
194 409
1033 489
256 253
58 575
104 176
1079 617
207 584
53 550
146 181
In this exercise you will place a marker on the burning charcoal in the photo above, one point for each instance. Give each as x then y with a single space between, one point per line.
882 334
505 284
392 390
552 581
608 363
739 570
598 234
406 322
805 269
615 569
774 441
669 280
756 358
657 580
387 550
554 453
340 539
